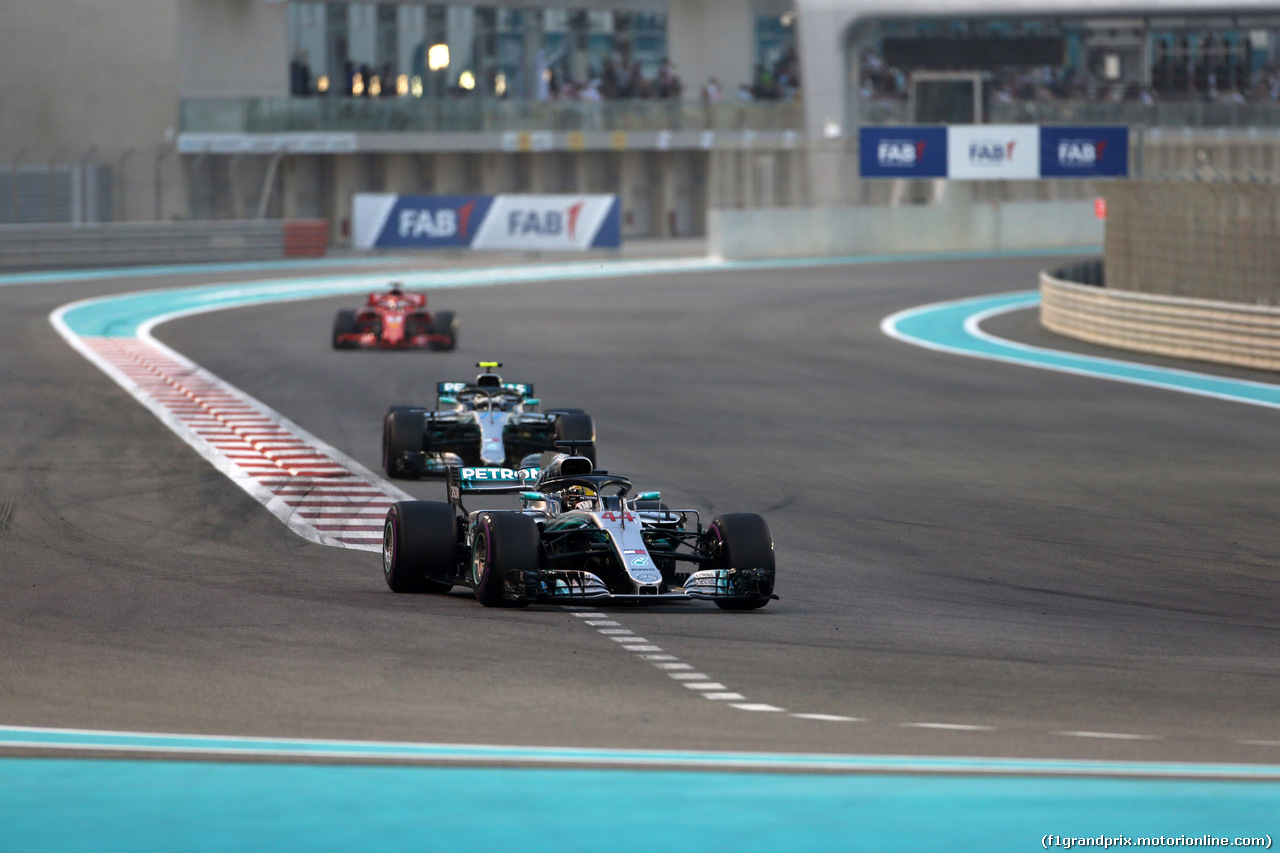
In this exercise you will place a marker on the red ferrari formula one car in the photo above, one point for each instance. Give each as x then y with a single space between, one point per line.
395 320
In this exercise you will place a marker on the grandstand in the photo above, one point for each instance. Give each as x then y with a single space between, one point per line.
228 109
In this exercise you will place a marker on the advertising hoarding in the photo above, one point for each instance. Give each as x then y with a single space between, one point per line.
1084 152
993 151
917 151
526 222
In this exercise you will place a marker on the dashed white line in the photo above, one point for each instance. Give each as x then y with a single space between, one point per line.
950 727
830 718
1108 735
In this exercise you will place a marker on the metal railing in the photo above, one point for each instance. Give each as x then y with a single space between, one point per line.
25 247
1163 114
445 115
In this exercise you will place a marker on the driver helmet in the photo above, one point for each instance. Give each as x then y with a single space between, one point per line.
395 289
578 497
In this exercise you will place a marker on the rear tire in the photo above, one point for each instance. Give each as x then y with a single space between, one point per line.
745 543
446 324
402 432
578 427
420 547
345 324
505 542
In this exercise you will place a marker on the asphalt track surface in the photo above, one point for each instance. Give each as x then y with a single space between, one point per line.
1011 557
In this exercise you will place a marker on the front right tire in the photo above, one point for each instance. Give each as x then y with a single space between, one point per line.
420 547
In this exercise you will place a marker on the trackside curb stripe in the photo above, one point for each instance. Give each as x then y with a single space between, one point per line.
20 737
954 327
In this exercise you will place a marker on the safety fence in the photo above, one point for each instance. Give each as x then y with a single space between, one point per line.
1181 327
1202 240
124 243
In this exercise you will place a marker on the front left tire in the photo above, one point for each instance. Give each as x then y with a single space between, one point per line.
445 324
505 544
402 432
742 541
345 324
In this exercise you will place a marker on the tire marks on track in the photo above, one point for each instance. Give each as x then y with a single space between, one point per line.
319 492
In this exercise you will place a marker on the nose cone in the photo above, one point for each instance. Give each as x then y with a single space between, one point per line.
492 449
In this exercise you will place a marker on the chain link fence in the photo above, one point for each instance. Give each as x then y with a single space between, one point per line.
1203 240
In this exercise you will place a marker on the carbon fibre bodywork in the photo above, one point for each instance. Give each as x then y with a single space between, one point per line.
485 422
395 320
577 536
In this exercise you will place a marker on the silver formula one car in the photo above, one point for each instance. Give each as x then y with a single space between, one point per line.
485 422
578 536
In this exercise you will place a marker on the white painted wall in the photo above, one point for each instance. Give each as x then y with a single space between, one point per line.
711 38
232 48
950 227
82 74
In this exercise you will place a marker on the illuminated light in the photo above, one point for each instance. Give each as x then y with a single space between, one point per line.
357 84
500 84
375 85
467 80
546 74
416 86
438 57
402 85
787 19
322 83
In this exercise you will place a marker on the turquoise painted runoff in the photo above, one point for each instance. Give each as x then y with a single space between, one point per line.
101 806
122 315
953 327
296 748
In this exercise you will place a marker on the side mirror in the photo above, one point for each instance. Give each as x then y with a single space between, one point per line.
447 401
532 496
649 496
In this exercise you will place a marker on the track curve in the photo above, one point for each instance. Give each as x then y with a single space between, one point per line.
975 559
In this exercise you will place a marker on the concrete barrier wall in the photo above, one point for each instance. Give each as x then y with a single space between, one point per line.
24 247
1207 330
953 226
1199 239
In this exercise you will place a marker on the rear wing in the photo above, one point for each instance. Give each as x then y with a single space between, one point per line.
452 389
489 481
